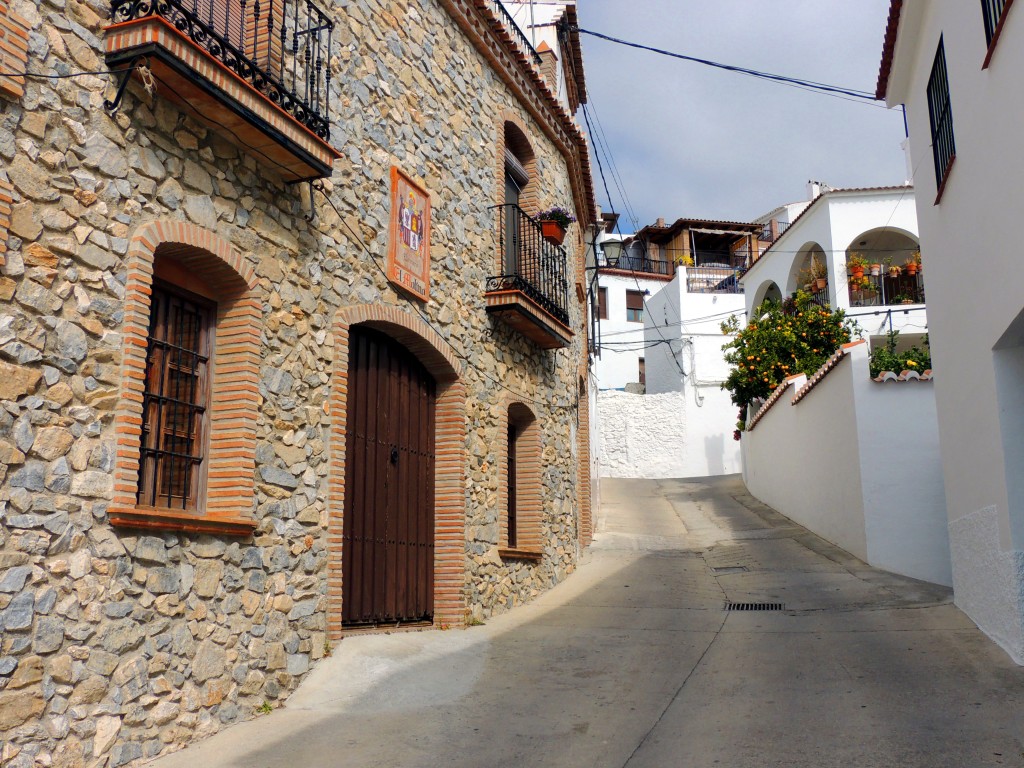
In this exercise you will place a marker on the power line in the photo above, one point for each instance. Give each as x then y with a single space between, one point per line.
811 85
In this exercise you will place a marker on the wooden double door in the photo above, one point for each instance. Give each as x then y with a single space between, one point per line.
388 532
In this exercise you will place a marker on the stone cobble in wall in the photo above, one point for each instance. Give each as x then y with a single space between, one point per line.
118 645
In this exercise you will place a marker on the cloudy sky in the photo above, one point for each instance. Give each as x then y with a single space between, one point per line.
692 141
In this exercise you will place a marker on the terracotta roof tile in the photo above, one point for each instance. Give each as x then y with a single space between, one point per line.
828 366
885 376
888 48
773 399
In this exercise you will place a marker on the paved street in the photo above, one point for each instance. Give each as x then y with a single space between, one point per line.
634 662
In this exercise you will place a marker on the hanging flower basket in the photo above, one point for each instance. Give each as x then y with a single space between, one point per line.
554 222
553 232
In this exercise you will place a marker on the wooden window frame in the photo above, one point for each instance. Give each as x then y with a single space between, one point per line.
150 488
602 303
521 492
993 28
940 117
632 311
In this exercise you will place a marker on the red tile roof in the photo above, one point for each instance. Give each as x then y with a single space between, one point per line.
825 370
888 48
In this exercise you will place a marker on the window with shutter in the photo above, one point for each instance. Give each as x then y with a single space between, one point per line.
634 306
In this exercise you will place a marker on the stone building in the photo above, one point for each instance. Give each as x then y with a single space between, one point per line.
282 350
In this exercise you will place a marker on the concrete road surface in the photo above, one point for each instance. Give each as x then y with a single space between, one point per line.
634 661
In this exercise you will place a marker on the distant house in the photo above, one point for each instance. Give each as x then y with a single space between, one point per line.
668 289
878 225
956 66
637 267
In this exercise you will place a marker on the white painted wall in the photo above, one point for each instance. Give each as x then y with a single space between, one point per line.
683 426
665 435
856 462
621 340
836 221
974 294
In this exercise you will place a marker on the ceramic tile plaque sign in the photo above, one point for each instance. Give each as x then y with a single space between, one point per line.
409 238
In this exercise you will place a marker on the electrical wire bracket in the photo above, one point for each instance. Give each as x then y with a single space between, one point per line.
123 75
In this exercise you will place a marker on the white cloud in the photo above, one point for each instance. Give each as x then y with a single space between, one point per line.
693 141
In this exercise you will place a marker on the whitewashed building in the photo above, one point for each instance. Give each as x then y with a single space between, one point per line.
956 66
879 224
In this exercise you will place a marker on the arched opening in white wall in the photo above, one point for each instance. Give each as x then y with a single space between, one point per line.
765 292
1008 359
809 259
890 259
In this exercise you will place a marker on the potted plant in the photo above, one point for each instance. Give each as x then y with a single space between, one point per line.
857 265
894 271
876 270
554 222
913 264
819 274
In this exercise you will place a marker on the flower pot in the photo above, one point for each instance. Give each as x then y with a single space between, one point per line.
819 284
911 269
858 273
876 270
553 232
894 271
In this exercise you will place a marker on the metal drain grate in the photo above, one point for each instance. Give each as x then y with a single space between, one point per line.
755 606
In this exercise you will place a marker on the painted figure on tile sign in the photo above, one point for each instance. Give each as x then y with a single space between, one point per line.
409 240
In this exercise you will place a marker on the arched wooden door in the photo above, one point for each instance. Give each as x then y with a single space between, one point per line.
388 534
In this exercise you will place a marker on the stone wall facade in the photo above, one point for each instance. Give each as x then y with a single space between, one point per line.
123 636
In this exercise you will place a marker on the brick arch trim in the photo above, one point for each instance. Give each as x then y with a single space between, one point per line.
234 400
529 495
529 199
449 449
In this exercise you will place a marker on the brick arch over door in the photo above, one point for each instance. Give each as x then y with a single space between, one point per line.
234 400
450 449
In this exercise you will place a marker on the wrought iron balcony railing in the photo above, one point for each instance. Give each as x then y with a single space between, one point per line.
280 47
641 264
510 23
884 291
532 265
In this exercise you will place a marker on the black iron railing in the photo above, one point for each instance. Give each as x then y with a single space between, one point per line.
821 298
886 290
713 280
641 264
705 257
531 264
281 47
517 33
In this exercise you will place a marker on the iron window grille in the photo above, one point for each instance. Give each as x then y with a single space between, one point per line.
941 117
175 399
993 11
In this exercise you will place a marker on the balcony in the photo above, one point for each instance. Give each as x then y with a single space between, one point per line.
631 263
533 295
713 280
886 291
255 71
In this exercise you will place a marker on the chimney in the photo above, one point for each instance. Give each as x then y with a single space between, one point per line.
660 222
548 65
813 189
